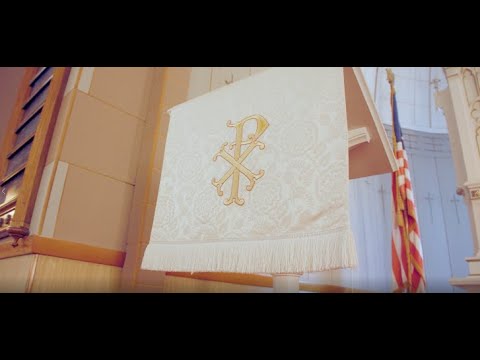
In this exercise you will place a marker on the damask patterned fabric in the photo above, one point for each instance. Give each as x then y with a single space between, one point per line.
255 178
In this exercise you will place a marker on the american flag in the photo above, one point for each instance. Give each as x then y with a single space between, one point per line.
407 256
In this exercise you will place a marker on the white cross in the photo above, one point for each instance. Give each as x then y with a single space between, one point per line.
429 198
382 194
454 200
436 84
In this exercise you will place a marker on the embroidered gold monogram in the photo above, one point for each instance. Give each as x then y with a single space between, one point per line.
238 157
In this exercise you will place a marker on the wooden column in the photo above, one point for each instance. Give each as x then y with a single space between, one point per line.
461 105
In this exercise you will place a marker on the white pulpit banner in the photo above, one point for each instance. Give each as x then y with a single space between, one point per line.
255 178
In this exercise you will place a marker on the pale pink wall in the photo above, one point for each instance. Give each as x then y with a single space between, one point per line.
10 78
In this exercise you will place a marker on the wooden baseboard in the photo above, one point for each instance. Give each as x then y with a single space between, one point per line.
34 244
231 278
262 281
8 250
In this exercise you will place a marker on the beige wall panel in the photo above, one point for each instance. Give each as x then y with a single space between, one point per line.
59 129
94 210
143 181
127 88
221 76
200 81
177 81
103 139
15 273
176 91
150 132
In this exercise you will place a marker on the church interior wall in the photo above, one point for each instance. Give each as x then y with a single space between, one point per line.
99 187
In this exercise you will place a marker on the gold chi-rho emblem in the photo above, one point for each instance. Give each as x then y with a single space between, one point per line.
238 157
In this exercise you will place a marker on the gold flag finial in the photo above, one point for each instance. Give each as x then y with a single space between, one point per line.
390 77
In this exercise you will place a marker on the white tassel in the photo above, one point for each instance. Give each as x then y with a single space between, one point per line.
310 253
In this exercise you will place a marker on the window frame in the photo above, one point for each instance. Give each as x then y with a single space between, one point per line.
24 202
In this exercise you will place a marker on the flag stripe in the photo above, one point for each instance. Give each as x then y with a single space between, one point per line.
407 257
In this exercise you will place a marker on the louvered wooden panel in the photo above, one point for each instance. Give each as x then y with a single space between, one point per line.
35 101
37 91
18 160
26 144
41 78
33 117
28 130
10 189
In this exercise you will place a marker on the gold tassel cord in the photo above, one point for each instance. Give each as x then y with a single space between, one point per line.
391 79
390 76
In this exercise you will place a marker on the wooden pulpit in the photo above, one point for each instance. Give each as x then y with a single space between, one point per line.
370 152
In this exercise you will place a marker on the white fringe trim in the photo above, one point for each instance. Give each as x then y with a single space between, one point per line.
319 252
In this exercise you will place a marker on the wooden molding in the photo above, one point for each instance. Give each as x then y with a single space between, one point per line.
357 137
262 281
231 278
329 288
34 244
8 206
7 249
76 251
18 231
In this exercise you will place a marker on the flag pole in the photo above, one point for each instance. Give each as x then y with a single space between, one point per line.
402 218
391 80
